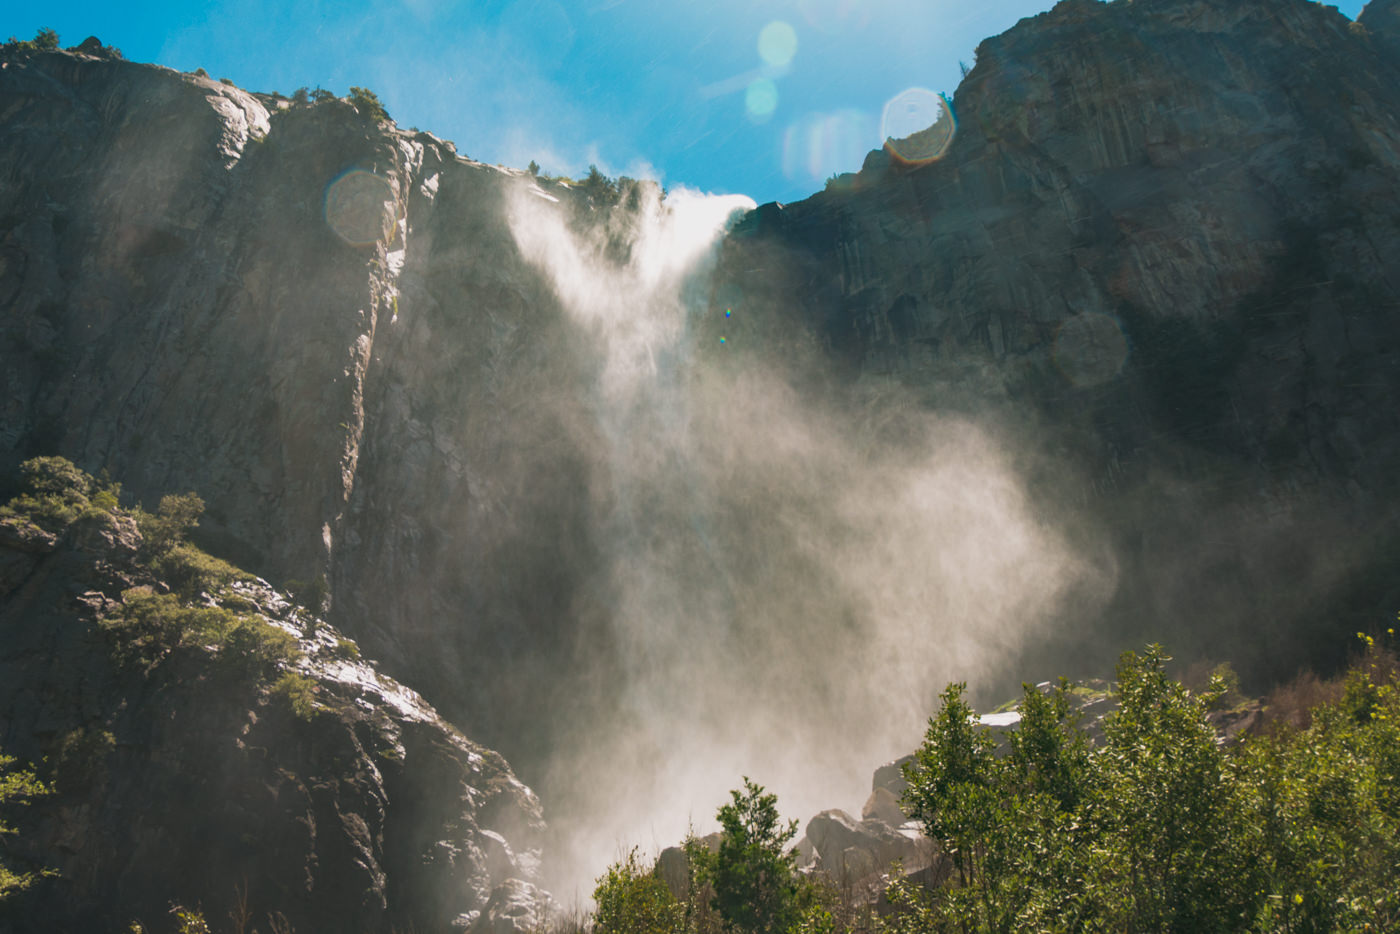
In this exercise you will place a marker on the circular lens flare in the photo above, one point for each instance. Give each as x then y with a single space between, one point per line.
360 208
761 99
777 44
918 126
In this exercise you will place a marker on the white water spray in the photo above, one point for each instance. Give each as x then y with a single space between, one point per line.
788 588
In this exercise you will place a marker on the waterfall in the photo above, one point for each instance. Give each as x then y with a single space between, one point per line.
789 582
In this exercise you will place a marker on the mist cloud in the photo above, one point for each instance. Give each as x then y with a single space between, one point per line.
788 587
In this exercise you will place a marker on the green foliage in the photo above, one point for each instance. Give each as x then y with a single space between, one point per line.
346 648
301 96
45 40
534 168
56 493
633 900
173 519
367 103
299 693
1161 828
17 787
756 889
191 571
189 920
320 95
598 187
151 625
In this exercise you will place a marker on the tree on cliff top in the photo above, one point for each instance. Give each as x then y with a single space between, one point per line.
366 102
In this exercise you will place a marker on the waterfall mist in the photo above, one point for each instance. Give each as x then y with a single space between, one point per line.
789 579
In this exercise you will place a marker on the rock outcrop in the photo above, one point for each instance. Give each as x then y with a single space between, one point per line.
1164 246
181 778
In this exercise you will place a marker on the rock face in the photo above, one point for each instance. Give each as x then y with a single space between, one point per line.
191 303
1170 230
182 781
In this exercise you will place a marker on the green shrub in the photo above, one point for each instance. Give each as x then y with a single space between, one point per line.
56 493
346 648
1162 828
173 519
189 920
367 104
753 877
151 625
299 693
17 787
631 899
44 40
191 571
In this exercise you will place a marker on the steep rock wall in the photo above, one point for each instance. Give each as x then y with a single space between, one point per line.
178 778
1163 250
192 304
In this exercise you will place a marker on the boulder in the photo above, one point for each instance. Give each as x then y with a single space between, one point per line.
850 850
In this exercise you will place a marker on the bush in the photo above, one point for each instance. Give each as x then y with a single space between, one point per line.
173 519
756 889
151 625
633 900
346 648
45 40
367 104
299 693
17 786
57 493
1162 828
191 571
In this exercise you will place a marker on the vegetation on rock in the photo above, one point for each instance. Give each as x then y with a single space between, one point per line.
45 40
1158 826
17 787
366 102
1162 827
149 625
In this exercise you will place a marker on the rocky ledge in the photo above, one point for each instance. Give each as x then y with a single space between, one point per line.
298 788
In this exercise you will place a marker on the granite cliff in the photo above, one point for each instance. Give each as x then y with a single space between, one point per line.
183 770
1167 231
1159 265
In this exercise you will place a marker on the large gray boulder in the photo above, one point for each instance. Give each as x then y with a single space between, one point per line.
850 850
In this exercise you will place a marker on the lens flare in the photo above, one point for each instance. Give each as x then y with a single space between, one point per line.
777 44
918 126
360 208
1090 349
761 99
822 145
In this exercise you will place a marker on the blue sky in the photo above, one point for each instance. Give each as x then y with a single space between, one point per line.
761 97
